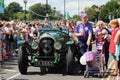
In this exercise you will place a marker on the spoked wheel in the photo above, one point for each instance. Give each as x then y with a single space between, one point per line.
86 74
101 74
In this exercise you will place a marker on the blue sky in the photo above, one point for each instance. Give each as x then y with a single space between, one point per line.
71 5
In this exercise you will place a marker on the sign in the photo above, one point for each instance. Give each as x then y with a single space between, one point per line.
110 16
1 6
66 16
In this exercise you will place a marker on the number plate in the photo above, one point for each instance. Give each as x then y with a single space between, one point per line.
44 63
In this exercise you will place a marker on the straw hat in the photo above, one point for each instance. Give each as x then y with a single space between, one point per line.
99 33
104 31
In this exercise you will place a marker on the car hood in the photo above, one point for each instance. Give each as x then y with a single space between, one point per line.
54 35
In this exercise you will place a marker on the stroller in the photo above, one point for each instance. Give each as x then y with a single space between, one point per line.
93 64
95 59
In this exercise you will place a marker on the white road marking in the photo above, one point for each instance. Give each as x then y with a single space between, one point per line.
10 70
13 76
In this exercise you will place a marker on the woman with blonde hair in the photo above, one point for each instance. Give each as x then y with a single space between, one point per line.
112 49
100 27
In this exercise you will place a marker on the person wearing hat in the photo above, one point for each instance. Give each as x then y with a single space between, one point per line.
83 31
112 49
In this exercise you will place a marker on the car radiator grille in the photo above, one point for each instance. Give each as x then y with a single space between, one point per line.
46 47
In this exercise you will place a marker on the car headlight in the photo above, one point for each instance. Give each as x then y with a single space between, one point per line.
34 45
57 46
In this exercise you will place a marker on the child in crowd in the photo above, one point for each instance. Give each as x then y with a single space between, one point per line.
106 35
100 47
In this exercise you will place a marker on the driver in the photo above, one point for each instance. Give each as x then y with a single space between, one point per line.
35 35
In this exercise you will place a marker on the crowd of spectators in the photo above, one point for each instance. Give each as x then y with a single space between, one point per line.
11 32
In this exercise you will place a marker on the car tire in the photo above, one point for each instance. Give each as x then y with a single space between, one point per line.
22 60
69 61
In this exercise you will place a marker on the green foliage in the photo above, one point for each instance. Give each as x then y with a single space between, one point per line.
20 15
14 7
39 10
76 17
29 16
92 13
11 10
110 8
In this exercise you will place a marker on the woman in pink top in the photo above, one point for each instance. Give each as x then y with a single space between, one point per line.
115 25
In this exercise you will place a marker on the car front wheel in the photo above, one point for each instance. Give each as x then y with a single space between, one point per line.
22 60
69 61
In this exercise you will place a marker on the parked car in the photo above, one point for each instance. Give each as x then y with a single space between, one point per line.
53 48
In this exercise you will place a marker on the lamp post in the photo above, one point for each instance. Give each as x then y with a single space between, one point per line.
54 10
78 7
117 13
97 13
46 9
25 2
64 8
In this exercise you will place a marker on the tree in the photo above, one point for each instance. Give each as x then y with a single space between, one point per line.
20 15
39 10
29 16
109 9
91 12
12 9
76 17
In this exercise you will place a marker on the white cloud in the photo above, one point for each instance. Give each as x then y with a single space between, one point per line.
72 5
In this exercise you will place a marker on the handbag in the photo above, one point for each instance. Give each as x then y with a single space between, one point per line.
117 53
90 56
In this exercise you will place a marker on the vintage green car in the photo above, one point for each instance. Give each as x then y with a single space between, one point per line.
53 48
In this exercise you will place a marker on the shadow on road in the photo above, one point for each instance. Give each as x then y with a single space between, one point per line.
9 63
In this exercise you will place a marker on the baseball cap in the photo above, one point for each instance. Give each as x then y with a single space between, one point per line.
84 15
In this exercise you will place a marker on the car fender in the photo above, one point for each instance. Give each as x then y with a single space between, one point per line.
70 42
